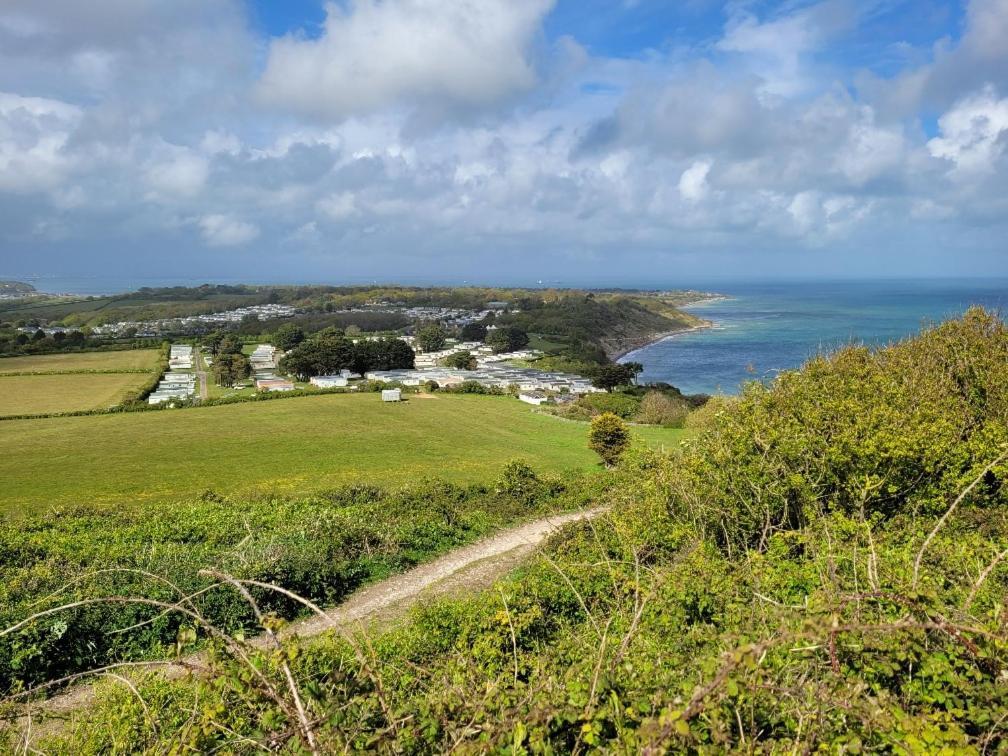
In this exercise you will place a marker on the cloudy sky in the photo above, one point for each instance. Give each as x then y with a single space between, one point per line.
575 141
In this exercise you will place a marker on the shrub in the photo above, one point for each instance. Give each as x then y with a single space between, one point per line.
608 437
657 408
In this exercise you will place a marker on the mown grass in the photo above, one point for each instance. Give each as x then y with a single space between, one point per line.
285 446
40 394
133 359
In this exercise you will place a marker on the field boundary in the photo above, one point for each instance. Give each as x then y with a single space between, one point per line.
106 371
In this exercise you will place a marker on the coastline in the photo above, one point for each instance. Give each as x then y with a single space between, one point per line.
635 345
631 346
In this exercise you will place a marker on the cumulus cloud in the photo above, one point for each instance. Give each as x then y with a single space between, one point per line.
693 181
176 170
974 134
33 133
156 132
376 54
227 231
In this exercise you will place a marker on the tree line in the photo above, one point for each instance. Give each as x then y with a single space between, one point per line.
329 351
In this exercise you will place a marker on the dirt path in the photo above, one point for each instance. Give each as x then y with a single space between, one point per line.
466 569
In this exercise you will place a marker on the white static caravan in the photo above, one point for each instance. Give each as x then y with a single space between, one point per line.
391 395
329 381
533 397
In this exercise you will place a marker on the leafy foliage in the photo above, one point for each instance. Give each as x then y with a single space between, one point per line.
608 437
506 339
431 337
321 547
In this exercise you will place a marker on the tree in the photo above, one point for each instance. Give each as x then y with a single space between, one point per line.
612 375
250 324
463 360
229 369
473 332
608 437
288 336
431 337
230 344
635 369
212 341
506 339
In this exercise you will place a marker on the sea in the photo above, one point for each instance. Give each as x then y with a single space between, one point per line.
761 329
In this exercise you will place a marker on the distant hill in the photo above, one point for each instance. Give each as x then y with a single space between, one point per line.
16 287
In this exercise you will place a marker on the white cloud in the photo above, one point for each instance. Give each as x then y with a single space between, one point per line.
227 231
338 206
383 53
177 171
973 133
33 135
778 48
693 181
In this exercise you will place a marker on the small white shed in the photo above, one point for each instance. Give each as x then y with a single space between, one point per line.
391 395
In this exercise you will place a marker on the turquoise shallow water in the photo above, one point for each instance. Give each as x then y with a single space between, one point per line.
763 329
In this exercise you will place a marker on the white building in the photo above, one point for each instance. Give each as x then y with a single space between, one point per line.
329 381
533 397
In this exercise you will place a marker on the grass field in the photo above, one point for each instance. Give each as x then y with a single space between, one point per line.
286 445
134 359
39 394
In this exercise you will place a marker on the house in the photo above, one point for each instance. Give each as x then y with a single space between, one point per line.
329 381
533 397
391 395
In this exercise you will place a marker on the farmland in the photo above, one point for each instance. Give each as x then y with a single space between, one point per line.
41 384
136 359
42 394
283 446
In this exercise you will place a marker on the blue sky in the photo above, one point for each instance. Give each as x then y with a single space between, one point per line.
583 141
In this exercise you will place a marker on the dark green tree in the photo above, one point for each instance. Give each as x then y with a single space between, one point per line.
288 336
229 369
463 360
431 337
473 332
612 375
230 344
506 339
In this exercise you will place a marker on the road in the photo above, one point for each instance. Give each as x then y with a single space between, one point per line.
201 374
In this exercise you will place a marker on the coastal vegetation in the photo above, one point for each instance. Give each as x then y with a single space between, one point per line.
821 568
321 546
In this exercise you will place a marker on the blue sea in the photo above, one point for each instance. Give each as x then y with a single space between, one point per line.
762 329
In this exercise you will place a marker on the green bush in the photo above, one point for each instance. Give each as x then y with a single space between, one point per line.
657 408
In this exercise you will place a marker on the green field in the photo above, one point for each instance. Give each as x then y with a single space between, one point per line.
285 445
42 394
134 359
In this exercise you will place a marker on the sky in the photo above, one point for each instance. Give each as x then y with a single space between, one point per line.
602 142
